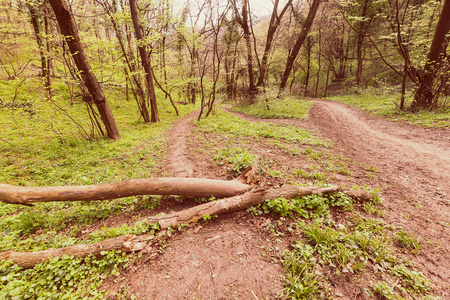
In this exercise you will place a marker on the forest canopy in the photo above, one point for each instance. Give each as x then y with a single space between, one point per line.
206 51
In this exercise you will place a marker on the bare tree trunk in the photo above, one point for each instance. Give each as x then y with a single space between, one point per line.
308 64
359 43
319 64
35 17
145 60
243 21
70 32
273 25
301 38
49 64
425 97
326 83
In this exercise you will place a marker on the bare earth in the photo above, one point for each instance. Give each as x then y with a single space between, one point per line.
232 257
414 166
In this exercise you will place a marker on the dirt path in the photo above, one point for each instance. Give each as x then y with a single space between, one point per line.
178 161
229 258
414 171
234 257
414 175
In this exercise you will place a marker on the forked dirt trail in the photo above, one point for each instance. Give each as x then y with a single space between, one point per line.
236 257
414 176
220 260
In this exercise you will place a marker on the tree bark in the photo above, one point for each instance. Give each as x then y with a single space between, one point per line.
236 203
301 38
70 32
424 96
195 187
145 61
243 21
125 243
35 16
308 64
359 43
273 25
129 243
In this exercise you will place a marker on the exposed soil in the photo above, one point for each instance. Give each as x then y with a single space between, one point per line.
179 163
414 171
232 257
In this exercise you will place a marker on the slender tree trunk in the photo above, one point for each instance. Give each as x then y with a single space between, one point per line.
425 94
359 43
243 20
128 56
145 61
319 64
247 37
326 83
273 25
70 32
301 38
48 81
308 64
35 17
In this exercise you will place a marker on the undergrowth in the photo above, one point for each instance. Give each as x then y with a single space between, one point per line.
41 146
60 278
354 245
288 107
227 123
385 102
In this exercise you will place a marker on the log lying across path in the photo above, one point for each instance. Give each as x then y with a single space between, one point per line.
195 187
125 243
129 243
236 203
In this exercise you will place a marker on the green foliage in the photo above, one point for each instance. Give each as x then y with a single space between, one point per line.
60 278
301 282
408 241
413 279
228 123
362 244
47 149
106 233
239 158
288 107
207 217
307 206
383 290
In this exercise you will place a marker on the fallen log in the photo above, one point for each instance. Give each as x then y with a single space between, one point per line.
129 243
125 243
195 187
236 203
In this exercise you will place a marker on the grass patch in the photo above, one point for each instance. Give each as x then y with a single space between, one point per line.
40 145
238 157
385 104
228 123
349 247
288 107
60 278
